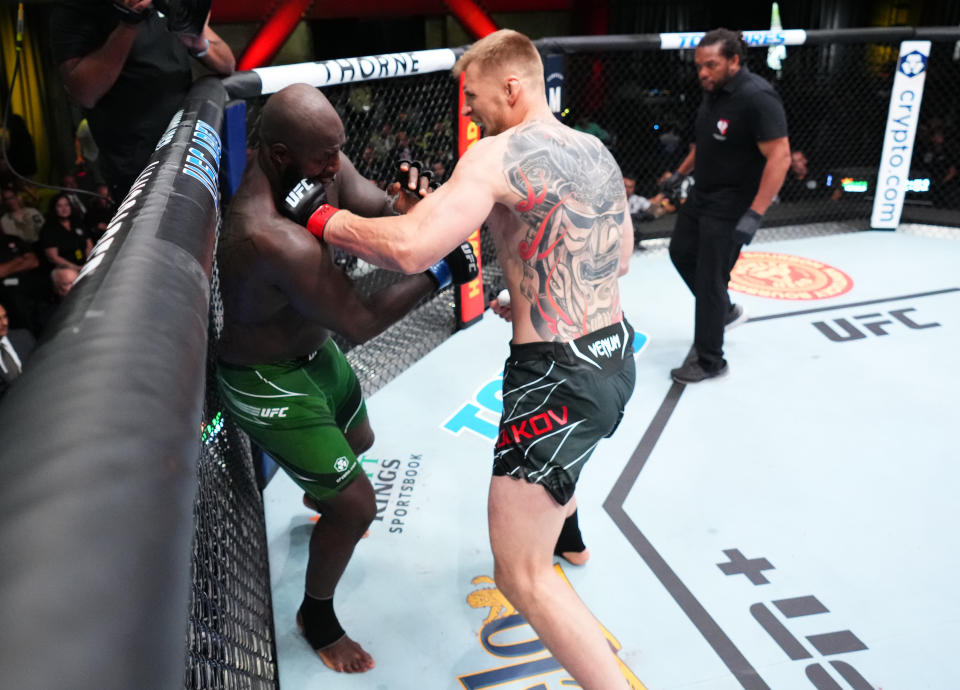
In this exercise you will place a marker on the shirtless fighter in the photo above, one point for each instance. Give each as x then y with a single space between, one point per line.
281 376
555 203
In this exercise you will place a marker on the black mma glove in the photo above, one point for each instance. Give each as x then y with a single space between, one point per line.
414 172
456 268
306 205
747 226
128 16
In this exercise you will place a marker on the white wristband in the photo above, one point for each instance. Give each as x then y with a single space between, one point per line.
203 52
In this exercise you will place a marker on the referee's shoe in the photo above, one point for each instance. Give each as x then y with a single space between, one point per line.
735 317
691 371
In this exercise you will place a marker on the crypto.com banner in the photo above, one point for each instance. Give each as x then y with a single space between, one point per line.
901 129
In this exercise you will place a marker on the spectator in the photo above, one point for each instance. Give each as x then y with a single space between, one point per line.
100 213
129 70
585 124
23 287
402 151
940 160
645 209
635 203
62 279
368 165
20 221
800 184
16 346
69 182
439 172
64 241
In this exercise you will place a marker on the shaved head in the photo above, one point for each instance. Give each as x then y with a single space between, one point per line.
298 115
301 137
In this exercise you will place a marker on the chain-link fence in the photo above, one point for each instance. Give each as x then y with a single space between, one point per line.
836 97
230 636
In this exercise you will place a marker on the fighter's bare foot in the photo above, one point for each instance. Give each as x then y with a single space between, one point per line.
344 655
576 557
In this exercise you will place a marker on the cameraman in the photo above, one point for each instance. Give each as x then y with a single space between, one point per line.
127 65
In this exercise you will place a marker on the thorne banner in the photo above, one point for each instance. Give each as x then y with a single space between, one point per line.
894 172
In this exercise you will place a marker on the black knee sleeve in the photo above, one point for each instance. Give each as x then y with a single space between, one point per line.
318 622
570 538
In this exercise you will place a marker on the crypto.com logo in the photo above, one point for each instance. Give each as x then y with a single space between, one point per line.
913 63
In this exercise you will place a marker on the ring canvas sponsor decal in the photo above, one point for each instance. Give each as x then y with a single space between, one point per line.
783 276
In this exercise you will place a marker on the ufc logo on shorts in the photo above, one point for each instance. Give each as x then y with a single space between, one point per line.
269 412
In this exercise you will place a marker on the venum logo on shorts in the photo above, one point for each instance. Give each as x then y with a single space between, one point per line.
341 464
606 347
270 412
535 426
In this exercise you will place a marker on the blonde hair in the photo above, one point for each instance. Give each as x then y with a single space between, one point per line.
501 49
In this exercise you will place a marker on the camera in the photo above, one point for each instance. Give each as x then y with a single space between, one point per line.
184 16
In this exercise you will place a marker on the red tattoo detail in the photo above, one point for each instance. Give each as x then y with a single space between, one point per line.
556 307
528 250
551 247
551 323
532 198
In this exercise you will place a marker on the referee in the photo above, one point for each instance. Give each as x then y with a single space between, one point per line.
739 161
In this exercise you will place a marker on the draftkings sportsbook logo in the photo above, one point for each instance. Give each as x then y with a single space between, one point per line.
526 664
782 276
395 484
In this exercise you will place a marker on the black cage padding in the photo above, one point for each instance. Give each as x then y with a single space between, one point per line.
100 442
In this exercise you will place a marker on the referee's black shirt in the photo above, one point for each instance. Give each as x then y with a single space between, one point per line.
730 122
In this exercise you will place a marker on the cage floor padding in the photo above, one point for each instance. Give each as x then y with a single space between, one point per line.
791 525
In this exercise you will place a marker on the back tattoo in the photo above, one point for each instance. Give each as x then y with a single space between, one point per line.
572 204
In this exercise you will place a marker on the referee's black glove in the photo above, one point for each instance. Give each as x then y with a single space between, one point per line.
747 226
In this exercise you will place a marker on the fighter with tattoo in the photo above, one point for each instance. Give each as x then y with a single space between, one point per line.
554 201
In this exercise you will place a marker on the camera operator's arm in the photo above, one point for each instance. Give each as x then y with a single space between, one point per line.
89 77
211 50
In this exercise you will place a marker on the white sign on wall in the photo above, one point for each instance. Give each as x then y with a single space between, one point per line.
894 173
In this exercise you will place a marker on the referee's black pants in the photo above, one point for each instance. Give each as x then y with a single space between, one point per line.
703 251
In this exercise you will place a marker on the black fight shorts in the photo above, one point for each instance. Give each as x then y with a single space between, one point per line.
559 400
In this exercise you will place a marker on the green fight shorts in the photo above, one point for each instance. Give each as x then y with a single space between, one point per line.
298 411
559 400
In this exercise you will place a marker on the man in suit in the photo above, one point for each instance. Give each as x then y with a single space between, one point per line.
15 348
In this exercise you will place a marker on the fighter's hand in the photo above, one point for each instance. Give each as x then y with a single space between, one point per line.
412 184
456 268
132 11
500 305
306 205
